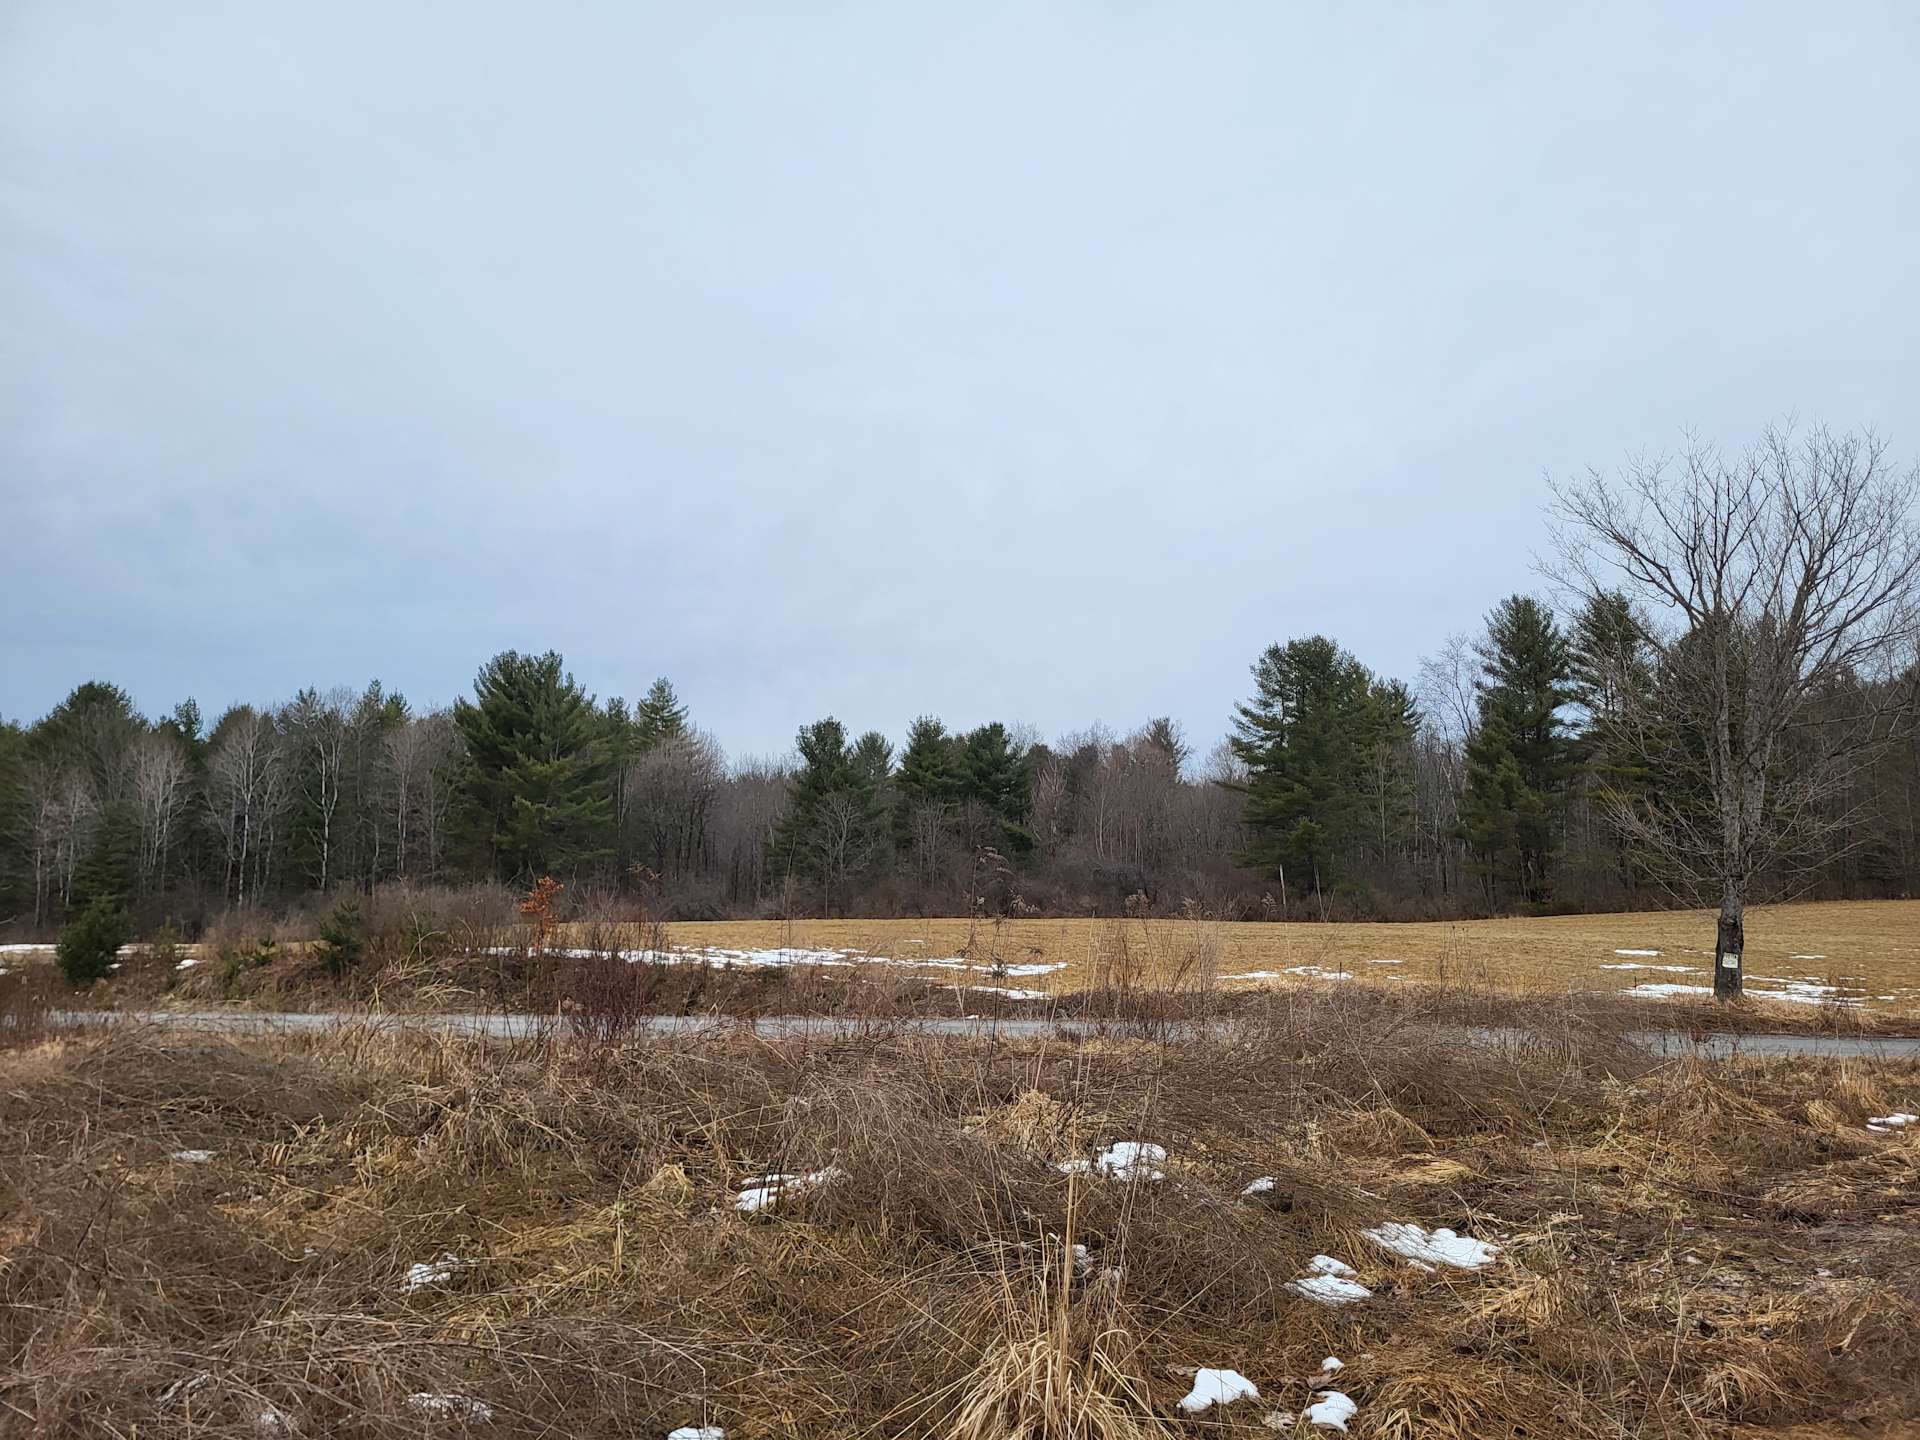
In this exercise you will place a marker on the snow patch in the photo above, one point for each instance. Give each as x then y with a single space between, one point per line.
1653 991
192 1157
1318 972
1328 1282
1887 1124
432 1272
1636 965
766 1192
1122 1160
464 1407
697 1432
1218 1387
1331 1364
1258 1187
1386 962
1331 1410
1440 1247
789 957
1646 953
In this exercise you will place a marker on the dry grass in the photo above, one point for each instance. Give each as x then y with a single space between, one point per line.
1868 950
1664 1229
1871 944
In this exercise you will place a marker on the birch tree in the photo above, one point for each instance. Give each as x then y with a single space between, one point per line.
159 765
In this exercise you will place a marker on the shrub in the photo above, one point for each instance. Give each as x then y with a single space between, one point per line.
89 943
341 938
164 947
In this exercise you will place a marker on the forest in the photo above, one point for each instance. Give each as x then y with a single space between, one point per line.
1502 778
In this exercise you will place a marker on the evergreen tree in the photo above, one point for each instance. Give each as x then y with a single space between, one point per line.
1607 659
1520 759
90 942
995 789
1611 675
534 784
660 717
927 785
835 822
1312 738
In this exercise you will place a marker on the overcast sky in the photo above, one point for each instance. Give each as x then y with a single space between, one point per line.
1036 362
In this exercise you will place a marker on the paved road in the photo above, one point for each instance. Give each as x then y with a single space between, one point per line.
1661 1042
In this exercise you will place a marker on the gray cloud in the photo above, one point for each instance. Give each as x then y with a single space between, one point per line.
986 361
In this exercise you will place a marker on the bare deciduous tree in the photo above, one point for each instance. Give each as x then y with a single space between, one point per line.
1774 581
246 792
159 794
321 728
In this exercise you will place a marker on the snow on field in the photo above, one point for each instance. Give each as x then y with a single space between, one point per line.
1793 992
1122 1160
1675 969
1258 1187
697 1432
432 1272
766 1192
1331 1364
1887 1124
1218 1387
192 1157
1256 975
1386 962
1328 1282
793 958
1317 972
1806 957
1331 1410
1647 954
465 1407
1440 1247
28 948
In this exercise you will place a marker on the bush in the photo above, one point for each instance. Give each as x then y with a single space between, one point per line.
341 938
88 945
164 948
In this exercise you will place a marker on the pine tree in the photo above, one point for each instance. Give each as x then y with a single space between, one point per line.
1314 739
660 717
1510 813
834 827
994 787
534 783
1612 675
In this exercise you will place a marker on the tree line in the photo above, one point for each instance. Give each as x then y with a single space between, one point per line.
1727 702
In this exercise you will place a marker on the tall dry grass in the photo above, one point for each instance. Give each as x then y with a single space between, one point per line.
1663 1229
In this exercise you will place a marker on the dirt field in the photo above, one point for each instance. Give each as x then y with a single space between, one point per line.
1867 951
363 1234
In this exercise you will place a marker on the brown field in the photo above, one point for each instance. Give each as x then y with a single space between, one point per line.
212 1237
1865 954
1869 950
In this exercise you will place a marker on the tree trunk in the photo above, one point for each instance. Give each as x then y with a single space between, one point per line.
1730 946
